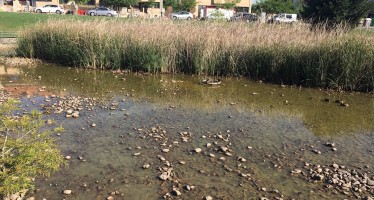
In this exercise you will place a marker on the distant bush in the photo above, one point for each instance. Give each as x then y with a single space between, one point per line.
288 54
335 12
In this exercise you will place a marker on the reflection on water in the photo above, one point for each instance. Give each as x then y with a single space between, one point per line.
272 127
321 117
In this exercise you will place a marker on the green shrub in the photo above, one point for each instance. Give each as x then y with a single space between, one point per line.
26 151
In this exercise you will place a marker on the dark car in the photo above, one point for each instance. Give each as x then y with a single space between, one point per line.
242 16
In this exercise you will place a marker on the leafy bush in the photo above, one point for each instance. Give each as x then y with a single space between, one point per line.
26 151
335 12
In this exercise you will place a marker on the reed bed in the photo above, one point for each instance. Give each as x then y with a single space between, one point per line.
287 54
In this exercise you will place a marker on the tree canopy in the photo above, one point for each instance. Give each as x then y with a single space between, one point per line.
275 6
181 5
335 12
120 3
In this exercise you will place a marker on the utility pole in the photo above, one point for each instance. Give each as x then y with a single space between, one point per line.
161 8
250 6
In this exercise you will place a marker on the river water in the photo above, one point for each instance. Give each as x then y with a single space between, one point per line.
269 131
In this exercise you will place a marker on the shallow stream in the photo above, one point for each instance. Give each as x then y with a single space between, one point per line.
268 130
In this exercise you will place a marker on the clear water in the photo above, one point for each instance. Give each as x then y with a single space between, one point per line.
279 123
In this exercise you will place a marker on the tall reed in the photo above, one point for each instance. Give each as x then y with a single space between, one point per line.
274 53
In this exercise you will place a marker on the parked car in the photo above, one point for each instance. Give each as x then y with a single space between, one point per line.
50 8
181 15
243 16
284 18
101 11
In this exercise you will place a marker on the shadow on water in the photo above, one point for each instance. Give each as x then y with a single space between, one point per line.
274 128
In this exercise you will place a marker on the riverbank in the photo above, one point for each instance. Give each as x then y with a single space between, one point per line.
281 54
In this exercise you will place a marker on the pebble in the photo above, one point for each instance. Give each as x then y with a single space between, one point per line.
93 125
67 191
370 182
222 158
263 189
67 157
198 150
177 192
208 145
330 144
146 166
224 149
165 150
164 176
110 198
137 154
182 162
208 198
188 187
241 159
316 151
75 114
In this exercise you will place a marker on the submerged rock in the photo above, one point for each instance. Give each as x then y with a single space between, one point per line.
197 150
67 192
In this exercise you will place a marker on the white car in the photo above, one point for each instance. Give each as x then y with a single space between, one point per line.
50 8
181 15
285 18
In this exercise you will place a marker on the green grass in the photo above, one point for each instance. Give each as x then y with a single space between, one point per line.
13 22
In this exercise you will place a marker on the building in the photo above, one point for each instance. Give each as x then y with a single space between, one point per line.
242 6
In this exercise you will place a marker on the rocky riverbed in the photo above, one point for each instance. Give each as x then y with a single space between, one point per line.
179 157
148 137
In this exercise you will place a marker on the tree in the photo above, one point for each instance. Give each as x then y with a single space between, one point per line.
181 5
26 151
335 12
188 5
120 3
230 4
275 6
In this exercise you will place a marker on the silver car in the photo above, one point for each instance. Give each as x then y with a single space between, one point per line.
181 15
101 11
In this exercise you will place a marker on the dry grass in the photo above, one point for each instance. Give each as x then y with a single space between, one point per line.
290 54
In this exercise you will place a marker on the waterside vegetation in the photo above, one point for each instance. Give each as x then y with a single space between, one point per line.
26 150
284 54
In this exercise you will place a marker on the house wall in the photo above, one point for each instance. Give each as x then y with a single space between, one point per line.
243 4
43 3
